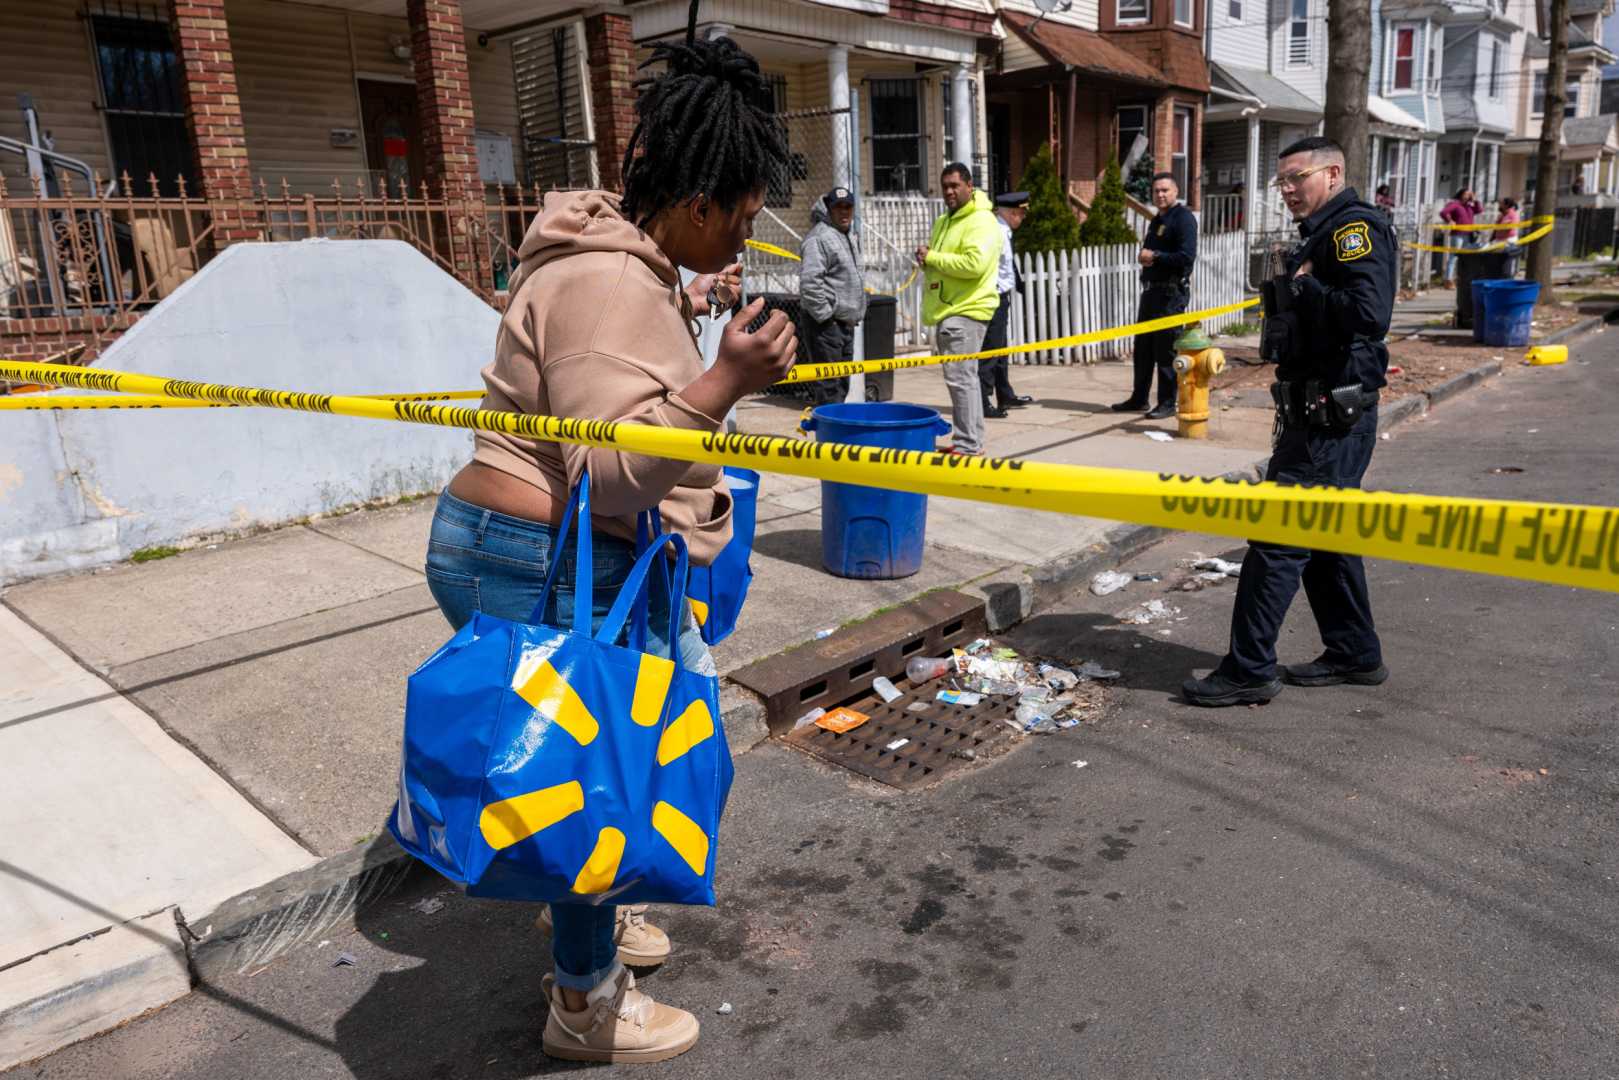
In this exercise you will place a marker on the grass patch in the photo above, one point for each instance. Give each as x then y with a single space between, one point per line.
1242 329
152 554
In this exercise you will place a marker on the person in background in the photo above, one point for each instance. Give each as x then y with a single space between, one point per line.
1166 259
958 264
831 289
1385 200
1011 208
1507 213
1462 209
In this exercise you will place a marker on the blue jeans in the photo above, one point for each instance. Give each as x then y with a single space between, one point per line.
478 560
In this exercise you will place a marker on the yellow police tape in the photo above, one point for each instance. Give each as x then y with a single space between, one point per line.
1549 542
62 402
811 372
1544 219
1499 245
772 249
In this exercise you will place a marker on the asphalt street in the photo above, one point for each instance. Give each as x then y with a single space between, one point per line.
1413 880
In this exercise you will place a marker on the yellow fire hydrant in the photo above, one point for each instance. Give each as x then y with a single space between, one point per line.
1196 362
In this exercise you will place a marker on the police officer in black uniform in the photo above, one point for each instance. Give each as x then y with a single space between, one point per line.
1166 258
1325 320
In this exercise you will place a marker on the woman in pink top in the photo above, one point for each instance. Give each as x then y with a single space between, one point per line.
1463 209
1508 215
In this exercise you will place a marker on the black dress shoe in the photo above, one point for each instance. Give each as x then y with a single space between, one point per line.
1018 401
991 413
1218 690
1162 411
1129 406
1323 672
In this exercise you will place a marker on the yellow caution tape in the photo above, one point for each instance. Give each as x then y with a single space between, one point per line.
812 372
1549 542
772 249
1544 219
62 402
1499 245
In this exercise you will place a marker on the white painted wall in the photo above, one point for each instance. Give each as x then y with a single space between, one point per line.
80 489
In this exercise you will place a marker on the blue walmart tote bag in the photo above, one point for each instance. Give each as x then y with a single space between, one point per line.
716 593
543 763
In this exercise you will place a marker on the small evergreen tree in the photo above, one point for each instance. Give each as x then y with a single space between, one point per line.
1105 224
1140 182
1050 224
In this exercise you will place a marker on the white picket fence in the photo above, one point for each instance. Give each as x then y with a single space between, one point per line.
1072 292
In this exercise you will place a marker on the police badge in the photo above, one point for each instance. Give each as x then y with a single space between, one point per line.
1353 240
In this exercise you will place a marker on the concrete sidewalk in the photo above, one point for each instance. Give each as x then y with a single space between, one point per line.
243 721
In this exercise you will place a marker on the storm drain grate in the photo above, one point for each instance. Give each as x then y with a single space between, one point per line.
939 738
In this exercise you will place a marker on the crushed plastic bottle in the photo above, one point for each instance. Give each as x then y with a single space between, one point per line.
1109 581
885 689
1090 669
919 669
809 718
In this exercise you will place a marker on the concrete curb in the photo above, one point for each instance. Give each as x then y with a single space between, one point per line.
1567 332
251 930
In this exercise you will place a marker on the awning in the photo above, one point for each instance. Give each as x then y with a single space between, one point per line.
1384 111
1083 50
1282 103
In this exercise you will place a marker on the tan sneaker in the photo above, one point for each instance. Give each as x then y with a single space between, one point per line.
640 944
617 1024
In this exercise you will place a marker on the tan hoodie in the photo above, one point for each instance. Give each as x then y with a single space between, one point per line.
599 329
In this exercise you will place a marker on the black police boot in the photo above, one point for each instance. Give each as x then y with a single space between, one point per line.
992 413
1162 411
1218 690
1323 672
1129 406
1018 401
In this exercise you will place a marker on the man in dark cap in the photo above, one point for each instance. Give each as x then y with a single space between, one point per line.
1011 208
831 288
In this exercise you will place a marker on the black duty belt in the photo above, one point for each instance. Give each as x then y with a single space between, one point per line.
1311 403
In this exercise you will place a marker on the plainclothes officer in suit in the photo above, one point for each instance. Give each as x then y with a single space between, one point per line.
1010 209
1166 258
1325 320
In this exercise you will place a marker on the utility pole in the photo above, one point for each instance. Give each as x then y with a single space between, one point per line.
1349 67
1549 156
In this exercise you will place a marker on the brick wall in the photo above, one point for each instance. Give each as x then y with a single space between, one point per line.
213 110
611 52
444 97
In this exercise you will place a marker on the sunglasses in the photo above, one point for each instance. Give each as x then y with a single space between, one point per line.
1294 179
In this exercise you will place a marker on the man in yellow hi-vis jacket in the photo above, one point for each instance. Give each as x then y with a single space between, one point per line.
959 263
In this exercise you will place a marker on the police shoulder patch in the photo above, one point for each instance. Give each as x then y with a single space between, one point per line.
1353 241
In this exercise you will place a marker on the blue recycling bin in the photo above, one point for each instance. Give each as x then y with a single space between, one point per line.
1479 288
871 532
1509 307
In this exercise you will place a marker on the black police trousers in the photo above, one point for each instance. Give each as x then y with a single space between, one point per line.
992 372
1156 351
1335 584
828 342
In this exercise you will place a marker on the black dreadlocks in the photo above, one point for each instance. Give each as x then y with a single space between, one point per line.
699 128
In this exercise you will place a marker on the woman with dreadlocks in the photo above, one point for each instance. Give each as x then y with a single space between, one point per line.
599 327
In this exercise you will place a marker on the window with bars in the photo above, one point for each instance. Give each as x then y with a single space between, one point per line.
898 146
142 101
1298 34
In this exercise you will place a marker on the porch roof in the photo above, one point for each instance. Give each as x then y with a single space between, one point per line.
1383 111
1588 131
1082 50
1278 100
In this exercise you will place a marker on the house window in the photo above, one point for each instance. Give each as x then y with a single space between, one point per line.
1495 69
142 103
898 161
1394 159
1298 34
772 98
1132 123
1183 12
1405 58
1180 156
1571 107
1436 35
1234 12
1134 11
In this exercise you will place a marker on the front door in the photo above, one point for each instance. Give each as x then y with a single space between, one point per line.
393 143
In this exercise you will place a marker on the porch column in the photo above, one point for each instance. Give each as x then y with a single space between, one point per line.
612 92
837 77
444 97
213 113
961 113
1252 182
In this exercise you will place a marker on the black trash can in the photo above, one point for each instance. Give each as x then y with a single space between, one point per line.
1488 266
882 313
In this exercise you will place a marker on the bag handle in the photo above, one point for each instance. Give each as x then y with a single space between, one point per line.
584 599
613 624
648 525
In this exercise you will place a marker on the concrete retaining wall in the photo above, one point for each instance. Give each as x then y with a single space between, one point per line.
80 489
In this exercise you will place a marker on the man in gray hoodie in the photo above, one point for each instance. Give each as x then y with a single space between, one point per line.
831 288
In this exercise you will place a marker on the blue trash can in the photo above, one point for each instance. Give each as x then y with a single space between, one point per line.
1508 308
1481 302
870 532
